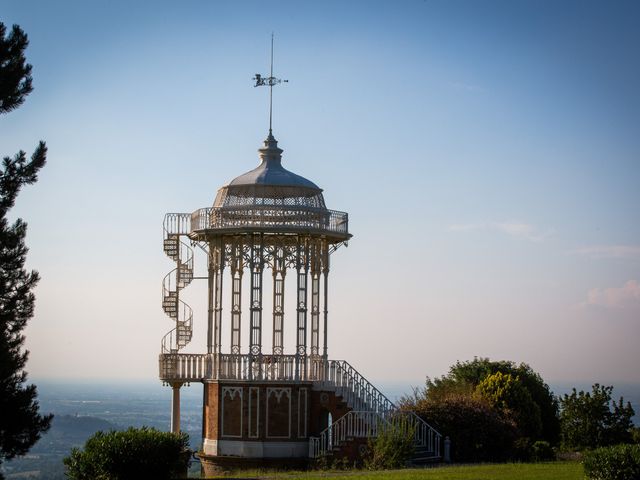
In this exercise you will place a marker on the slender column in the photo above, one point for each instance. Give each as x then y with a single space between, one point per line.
211 281
302 268
217 269
315 299
218 309
325 272
237 267
255 336
175 407
315 312
279 271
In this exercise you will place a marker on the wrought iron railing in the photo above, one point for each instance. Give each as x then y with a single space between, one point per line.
354 424
177 224
356 390
189 367
425 434
338 375
367 424
270 217
183 367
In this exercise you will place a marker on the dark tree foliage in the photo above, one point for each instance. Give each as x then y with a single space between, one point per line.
15 73
134 453
475 371
593 419
510 401
20 423
478 432
507 394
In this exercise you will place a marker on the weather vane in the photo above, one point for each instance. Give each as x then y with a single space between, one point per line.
269 81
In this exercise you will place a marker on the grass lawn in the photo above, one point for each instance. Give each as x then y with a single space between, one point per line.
509 471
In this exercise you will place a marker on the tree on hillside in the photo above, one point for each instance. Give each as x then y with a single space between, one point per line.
21 424
593 419
507 393
469 374
491 410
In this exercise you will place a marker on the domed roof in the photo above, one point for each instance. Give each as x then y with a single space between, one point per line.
270 199
270 184
271 172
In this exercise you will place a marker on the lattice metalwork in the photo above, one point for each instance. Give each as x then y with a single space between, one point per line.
279 272
257 262
267 218
237 269
231 197
302 267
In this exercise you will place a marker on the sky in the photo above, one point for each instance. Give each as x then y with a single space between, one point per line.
487 152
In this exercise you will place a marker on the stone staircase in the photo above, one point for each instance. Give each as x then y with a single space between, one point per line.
370 414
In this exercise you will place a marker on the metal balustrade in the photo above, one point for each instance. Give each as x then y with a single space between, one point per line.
335 375
173 367
367 424
177 223
269 217
356 390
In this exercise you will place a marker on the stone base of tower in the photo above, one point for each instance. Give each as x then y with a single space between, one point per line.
268 424
217 465
253 449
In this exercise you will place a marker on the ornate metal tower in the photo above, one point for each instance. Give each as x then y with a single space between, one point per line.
259 406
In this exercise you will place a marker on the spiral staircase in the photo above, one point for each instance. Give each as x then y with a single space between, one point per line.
176 280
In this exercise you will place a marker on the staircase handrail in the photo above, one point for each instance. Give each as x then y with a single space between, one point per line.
353 424
367 424
365 399
170 342
361 393
425 434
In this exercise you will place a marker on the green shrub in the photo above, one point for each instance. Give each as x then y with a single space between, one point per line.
474 371
478 432
507 393
620 462
392 448
133 453
542 451
521 451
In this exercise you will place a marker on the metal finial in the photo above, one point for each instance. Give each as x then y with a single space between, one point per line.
269 81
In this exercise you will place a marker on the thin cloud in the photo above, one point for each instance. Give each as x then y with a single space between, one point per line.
625 297
515 229
629 252
523 230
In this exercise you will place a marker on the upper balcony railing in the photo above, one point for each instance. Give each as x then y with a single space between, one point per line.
278 219
272 218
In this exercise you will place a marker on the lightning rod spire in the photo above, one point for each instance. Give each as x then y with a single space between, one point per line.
269 81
